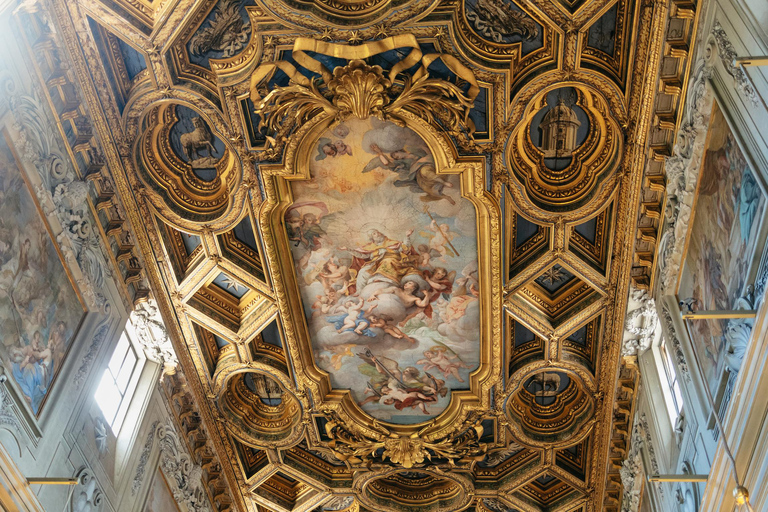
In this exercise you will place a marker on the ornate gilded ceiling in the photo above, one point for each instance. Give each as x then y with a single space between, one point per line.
392 239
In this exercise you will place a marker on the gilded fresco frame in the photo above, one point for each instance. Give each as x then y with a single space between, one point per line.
471 171
722 378
756 257
5 133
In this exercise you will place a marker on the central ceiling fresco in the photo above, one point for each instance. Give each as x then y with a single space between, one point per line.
392 239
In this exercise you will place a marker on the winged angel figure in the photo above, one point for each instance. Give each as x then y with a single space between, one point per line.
227 31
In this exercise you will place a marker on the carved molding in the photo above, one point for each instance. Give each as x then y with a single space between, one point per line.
738 333
144 459
93 349
179 400
639 324
8 409
669 108
360 90
727 55
87 495
624 405
683 167
101 436
60 194
459 447
153 336
74 177
682 366
633 471
183 475
196 426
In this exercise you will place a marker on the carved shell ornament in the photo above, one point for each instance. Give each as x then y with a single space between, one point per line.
239 181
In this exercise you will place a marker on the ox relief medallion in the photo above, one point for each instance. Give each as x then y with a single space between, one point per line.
383 240
385 253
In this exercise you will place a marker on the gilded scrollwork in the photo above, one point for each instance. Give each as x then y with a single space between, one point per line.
457 449
360 90
431 490
184 165
578 148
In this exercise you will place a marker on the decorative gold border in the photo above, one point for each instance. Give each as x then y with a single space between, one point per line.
315 381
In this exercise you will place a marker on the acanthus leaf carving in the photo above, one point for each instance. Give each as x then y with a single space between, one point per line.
183 475
144 458
727 55
153 336
738 332
678 351
462 446
227 32
683 167
640 324
87 496
93 349
632 470
8 416
62 193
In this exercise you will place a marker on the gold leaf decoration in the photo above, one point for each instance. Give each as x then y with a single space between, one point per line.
360 90
462 446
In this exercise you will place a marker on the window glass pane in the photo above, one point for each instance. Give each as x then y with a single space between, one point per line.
112 393
119 354
667 374
126 371
108 397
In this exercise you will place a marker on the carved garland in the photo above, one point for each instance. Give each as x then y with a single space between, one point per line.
682 169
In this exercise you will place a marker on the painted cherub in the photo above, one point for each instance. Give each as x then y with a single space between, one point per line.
334 276
324 303
407 294
352 319
441 240
342 148
437 357
392 394
425 256
339 353
385 324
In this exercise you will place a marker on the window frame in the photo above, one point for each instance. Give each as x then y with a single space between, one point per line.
127 395
670 384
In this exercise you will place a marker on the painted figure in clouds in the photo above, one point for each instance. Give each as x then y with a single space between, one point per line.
386 256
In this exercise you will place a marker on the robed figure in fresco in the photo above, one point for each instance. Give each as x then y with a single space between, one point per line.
383 259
